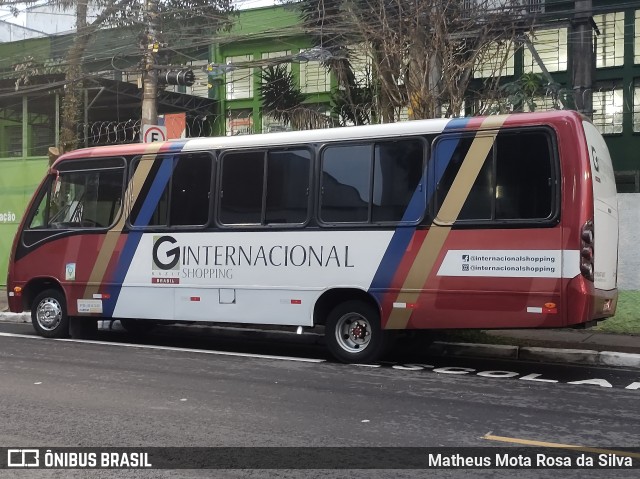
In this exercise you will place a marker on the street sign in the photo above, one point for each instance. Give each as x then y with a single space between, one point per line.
151 133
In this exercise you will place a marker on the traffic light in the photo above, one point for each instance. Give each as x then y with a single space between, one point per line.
184 77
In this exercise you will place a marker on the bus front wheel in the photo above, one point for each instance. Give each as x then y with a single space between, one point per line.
353 333
49 314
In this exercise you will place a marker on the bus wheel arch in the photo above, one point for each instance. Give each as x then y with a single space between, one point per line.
36 286
353 330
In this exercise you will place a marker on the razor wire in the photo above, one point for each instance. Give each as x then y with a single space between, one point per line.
102 133
244 121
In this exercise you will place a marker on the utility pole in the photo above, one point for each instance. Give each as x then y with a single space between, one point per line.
583 57
149 72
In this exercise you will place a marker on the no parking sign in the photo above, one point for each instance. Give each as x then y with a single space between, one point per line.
151 133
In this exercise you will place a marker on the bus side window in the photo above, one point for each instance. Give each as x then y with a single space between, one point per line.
265 187
190 190
346 183
241 188
450 153
159 215
397 173
287 186
372 183
515 181
185 200
524 188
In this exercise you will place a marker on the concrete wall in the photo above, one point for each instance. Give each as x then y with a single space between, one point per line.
18 180
629 252
10 32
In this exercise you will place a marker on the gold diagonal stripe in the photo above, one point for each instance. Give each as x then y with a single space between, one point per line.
418 274
450 210
462 183
529 442
111 238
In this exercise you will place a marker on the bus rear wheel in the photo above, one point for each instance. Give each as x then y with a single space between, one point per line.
49 314
353 333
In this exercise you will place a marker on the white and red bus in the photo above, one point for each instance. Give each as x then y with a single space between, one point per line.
494 222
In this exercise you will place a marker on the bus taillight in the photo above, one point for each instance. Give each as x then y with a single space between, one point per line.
586 251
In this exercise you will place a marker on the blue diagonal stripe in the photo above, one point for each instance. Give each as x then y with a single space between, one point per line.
133 237
403 234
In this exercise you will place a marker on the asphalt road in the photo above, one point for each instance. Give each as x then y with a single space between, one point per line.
185 388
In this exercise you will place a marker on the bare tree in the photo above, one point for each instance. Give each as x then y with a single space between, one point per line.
424 52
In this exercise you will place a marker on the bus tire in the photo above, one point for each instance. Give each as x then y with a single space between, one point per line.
353 333
137 327
49 314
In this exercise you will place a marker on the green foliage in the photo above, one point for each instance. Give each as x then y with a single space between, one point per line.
627 318
524 90
280 94
352 105
29 67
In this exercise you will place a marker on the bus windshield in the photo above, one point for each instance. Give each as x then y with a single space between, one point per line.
88 199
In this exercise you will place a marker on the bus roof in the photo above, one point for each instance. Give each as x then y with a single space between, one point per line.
405 128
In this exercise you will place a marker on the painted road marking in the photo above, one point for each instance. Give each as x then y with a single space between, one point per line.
529 442
170 348
408 368
497 374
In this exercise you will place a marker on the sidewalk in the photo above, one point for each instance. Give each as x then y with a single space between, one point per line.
552 345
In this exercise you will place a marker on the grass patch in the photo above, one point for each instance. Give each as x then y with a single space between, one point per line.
627 318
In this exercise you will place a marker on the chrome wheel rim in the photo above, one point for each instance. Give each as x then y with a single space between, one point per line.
353 332
49 314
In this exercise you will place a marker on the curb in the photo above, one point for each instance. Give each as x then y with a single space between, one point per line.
500 351
440 348
526 353
15 317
